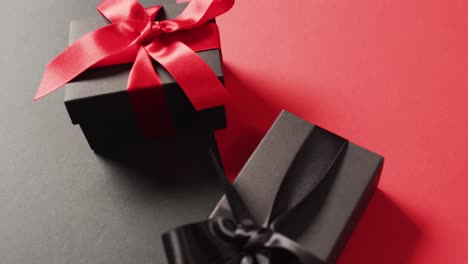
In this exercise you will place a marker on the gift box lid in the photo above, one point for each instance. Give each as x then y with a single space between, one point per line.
101 93
329 216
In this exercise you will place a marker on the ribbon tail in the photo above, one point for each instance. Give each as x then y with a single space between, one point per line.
83 54
279 241
200 12
202 86
147 98
204 37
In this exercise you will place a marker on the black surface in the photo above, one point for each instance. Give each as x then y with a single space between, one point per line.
60 202
98 99
326 220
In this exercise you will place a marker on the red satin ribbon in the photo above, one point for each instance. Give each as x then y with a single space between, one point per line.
134 36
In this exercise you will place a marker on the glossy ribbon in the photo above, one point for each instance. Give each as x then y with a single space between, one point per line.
135 36
237 239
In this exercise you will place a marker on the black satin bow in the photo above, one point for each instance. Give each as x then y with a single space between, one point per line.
235 238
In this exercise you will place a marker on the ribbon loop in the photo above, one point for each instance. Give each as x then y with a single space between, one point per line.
151 31
120 10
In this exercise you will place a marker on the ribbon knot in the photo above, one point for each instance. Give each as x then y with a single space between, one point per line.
255 237
250 238
152 30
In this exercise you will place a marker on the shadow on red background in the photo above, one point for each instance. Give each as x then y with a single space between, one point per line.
249 116
384 235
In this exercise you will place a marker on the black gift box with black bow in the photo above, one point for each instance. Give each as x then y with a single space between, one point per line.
297 200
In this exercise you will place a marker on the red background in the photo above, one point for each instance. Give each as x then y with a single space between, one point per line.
388 75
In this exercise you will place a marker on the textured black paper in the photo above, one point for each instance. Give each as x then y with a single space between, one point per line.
324 225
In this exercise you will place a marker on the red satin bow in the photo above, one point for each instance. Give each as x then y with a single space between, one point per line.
134 36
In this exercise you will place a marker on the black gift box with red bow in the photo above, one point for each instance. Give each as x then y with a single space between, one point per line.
98 99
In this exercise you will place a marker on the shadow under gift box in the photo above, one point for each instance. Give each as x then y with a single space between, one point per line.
149 189
99 102
324 223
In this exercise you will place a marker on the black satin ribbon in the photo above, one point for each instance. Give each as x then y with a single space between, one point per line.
236 238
